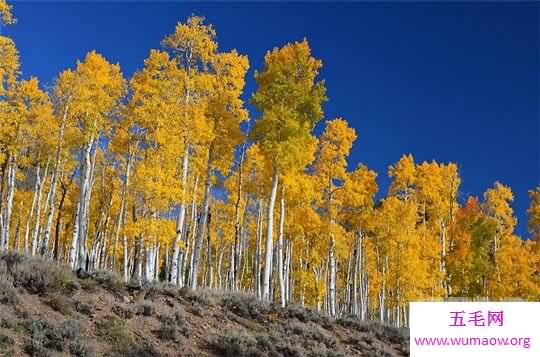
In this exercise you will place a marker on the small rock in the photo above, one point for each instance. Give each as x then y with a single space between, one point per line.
82 274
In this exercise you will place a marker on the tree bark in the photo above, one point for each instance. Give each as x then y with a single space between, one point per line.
332 277
73 252
280 249
12 170
58 222
180 221
37 227
84 203
32 209
269 238
122 211
237 229
257 265
202 223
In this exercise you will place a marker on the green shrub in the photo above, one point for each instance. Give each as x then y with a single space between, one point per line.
11 259
304 314
45 335
123 312
172 326
41 277
6 345
8 293
35 349
145 309
109 281
116 334
247 306
385 333
60 303
205 297
235 344
78 347
84 308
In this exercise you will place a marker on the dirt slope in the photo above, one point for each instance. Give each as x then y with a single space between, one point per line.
45 310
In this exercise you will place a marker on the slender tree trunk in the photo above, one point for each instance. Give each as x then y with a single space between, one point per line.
180 220
125 246
208 252
37 226
355 274
12 170
32 209
84 203
58 222
73 252
52 191
347 293
3 182
287 271
220 261
269 238
332 277
50 206
257 272
363 279
137 264
122 212
17 234
237 230
202 223
188 237
382 295
125 258
280 249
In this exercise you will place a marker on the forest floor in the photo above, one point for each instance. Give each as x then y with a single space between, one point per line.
45 310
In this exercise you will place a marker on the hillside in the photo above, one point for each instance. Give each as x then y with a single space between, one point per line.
45 310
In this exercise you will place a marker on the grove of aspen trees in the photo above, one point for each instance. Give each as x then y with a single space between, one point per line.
165 176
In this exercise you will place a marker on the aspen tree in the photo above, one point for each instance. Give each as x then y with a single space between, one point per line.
193 45
6 15
289 98
27 113
330 169
533 212
225 113
96 87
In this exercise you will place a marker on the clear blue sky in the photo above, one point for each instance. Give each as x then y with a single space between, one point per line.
450 82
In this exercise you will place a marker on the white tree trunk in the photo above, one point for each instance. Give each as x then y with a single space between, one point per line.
84 202
125 258
73 254
12 170
37 227
200 232
180 221
149 263
280 267
269 238
332 278
49 208
257 272
287 271
32 209
122 211
191 238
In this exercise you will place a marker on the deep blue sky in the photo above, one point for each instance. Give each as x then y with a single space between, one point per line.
450 82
